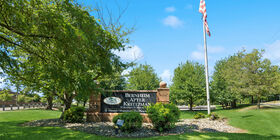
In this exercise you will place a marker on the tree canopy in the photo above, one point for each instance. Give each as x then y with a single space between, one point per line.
246 74
143 77
56 45
5 95
188 83
220 88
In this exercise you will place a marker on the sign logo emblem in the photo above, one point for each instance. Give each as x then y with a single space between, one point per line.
112 100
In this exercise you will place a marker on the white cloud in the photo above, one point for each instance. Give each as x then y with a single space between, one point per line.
272 51
197 55
211 49
218 49
166 76
125 72
189 7
173 22
130 54
170 9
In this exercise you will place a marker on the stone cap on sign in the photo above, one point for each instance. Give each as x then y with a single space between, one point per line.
162 84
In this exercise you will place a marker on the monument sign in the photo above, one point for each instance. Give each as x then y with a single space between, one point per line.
103 107
126 101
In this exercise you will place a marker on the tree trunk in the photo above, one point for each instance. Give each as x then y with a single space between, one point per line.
252 100
67 101
85 101
67 105
223 105
191 104
50 102
259 103
233 104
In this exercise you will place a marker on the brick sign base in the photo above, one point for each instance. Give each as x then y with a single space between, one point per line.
108 117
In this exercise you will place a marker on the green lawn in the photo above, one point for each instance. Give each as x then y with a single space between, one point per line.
265 121
261 124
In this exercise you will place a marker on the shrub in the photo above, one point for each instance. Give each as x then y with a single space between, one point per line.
5 95
21 98
213 116
28 99
132 121
74 115
43 100
199 115
163 116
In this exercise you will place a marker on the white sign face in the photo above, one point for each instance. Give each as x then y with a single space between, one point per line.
112 100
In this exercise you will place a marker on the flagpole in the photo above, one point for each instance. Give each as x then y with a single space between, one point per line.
206 69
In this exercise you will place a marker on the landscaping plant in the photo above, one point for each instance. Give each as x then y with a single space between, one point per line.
163 116
199 115
132 121
213 116
74 115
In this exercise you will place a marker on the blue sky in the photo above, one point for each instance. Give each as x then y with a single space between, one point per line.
169 32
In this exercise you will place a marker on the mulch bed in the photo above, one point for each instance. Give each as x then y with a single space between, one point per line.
108 129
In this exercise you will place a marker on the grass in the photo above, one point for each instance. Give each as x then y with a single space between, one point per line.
261 124
10 127
265 121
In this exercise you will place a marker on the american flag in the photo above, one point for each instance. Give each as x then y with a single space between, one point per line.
202 9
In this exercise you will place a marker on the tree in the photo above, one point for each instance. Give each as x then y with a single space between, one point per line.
49 91
115 81
21 99
143 77
220 92
26 99
5 95
188 83
56 43
250 74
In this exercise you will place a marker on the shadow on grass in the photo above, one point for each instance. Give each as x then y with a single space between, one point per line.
242 106
247 116
14 131
219 136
